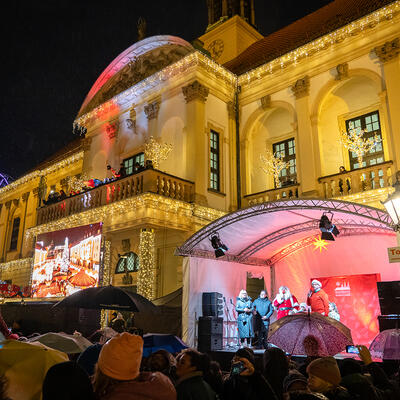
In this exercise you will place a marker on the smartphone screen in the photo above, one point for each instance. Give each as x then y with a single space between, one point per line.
352 349
237 368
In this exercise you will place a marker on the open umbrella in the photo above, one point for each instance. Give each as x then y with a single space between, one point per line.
154 342
25 365
69 344
289 333
108 298
386 345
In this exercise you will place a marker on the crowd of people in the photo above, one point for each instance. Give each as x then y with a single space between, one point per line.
113 368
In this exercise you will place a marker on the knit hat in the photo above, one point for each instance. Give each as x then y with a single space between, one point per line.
292 377
316 282
325 368
246 353
121 356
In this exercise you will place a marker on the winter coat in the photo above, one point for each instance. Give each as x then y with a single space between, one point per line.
147 386
264 309
319 302
253 387
194 387
338 393
245 319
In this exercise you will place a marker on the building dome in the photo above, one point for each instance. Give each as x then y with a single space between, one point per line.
136 63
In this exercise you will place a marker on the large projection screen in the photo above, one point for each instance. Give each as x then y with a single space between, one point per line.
66 261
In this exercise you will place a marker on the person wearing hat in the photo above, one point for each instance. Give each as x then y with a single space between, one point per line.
317 299
294 381
324 377
244 382
117 374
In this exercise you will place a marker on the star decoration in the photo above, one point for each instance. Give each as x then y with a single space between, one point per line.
320 244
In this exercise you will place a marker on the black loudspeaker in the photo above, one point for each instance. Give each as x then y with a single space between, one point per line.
389 297
210 334
212 304
388 322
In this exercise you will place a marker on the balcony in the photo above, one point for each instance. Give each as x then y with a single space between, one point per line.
357 181
287 192
146 181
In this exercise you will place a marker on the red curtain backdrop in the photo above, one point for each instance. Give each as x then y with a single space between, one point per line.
356 297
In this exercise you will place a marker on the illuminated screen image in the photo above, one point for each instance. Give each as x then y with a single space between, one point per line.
66 261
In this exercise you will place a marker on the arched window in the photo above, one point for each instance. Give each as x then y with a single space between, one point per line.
128 261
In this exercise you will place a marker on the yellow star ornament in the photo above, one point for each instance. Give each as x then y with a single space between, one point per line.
320 244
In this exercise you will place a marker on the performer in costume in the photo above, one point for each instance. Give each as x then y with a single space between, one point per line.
317 299
262 309
245 318
285 303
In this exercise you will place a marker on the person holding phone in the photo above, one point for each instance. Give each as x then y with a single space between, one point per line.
245 318
244 381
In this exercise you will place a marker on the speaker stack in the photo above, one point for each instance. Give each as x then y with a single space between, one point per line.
389 301
211 323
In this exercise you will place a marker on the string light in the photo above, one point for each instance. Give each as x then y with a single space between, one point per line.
156 152
273 164
106 278
16 268
356 143
146 285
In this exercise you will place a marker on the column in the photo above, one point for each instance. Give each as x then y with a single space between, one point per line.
232 156
147 277
151 110
5 230
195 95
388 55
86 167
305 153
25 198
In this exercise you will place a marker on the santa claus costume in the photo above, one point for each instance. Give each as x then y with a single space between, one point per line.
285 303
317 299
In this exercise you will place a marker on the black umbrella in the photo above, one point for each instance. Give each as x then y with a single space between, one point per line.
108 298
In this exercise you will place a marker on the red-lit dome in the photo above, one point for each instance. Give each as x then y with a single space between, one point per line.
136 63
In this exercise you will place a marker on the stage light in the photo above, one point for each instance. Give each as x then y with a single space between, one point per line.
328 230
217 245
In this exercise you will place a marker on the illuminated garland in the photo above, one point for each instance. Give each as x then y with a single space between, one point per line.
273 164
12 267
146 284
146 200
106 278
321 44
35 174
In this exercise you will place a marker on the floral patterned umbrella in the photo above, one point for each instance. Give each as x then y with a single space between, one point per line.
329 336
386 345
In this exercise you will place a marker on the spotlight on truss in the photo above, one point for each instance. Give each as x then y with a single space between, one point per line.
217 245
328 230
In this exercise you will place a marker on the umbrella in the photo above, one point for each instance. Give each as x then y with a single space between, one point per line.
289 332
109 298
25 365
386 345
154 342
69 344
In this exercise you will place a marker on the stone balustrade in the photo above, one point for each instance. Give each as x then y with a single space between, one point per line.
356 181
146 181
286 192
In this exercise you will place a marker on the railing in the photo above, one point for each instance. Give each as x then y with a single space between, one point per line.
356 181
286 192
146 181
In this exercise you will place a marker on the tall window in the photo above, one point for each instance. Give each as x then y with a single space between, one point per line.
287 150
214 161
131 162
370 123
127 262
14 234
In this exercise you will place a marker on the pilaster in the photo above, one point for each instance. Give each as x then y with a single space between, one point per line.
147 278
151 110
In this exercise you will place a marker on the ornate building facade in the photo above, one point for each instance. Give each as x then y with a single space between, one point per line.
292 93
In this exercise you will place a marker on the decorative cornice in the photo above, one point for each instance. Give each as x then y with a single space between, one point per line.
8 204
388 51
151 110
301 88
342 71
86 142
112 129
25 196
195 91
265 102
15 202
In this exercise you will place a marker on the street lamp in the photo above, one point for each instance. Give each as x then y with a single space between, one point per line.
392 205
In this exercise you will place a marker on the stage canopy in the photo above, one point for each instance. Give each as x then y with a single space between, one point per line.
276 241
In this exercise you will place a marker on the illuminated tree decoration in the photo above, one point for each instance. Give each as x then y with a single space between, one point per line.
273 164
156 152
4 179
320 244
356 143
76 184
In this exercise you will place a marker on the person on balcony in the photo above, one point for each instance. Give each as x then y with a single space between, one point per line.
122 171
343 170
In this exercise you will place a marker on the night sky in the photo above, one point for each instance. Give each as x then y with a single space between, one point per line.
52 52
